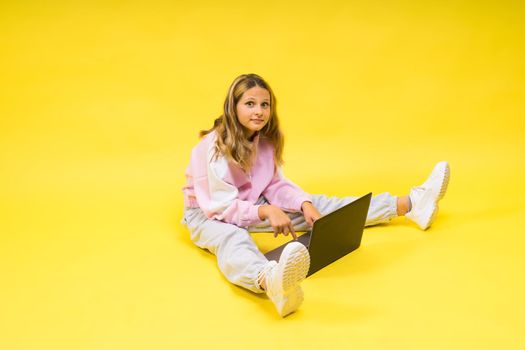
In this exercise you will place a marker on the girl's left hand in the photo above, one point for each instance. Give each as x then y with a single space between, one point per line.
310 213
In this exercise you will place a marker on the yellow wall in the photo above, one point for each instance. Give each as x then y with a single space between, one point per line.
100 105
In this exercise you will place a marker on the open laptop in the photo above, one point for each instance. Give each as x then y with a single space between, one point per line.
333 235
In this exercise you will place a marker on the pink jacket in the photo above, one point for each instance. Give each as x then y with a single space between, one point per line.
225 192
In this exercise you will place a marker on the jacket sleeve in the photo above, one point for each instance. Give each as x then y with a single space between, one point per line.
217 198
284 193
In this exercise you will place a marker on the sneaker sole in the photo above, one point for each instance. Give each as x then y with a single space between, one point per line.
442 190
441 194
293 274
444 183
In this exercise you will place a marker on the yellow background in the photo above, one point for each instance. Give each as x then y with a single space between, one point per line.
100 106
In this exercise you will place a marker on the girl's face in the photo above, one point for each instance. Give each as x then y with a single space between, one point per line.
253 109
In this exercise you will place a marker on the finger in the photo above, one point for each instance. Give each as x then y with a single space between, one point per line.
292 231
286 231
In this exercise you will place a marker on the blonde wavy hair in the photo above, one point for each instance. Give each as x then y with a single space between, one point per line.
231 138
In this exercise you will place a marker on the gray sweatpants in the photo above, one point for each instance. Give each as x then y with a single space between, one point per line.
238 257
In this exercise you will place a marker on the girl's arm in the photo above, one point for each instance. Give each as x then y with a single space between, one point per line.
310 212
284 193
217 198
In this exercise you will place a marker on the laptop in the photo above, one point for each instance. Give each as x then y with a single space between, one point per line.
333 235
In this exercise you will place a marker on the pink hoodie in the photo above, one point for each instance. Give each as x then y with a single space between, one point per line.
225 192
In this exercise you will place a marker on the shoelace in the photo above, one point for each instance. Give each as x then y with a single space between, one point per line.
419 189
264 271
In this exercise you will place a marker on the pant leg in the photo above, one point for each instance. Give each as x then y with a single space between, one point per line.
238 256
383 208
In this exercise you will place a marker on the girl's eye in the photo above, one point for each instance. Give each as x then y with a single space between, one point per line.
265 104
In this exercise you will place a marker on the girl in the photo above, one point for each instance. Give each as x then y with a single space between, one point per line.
235 186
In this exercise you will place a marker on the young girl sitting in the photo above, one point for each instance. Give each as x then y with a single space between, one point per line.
235 186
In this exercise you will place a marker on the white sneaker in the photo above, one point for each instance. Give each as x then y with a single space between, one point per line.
425 197
283 278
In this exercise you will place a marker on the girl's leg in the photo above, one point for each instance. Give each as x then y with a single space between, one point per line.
383 208
238 257
243 264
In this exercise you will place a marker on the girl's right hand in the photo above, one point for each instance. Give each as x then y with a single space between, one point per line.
279 221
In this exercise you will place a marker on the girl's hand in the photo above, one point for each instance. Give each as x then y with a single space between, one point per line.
310 213
279 221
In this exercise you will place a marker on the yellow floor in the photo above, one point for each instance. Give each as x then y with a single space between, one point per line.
100 105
